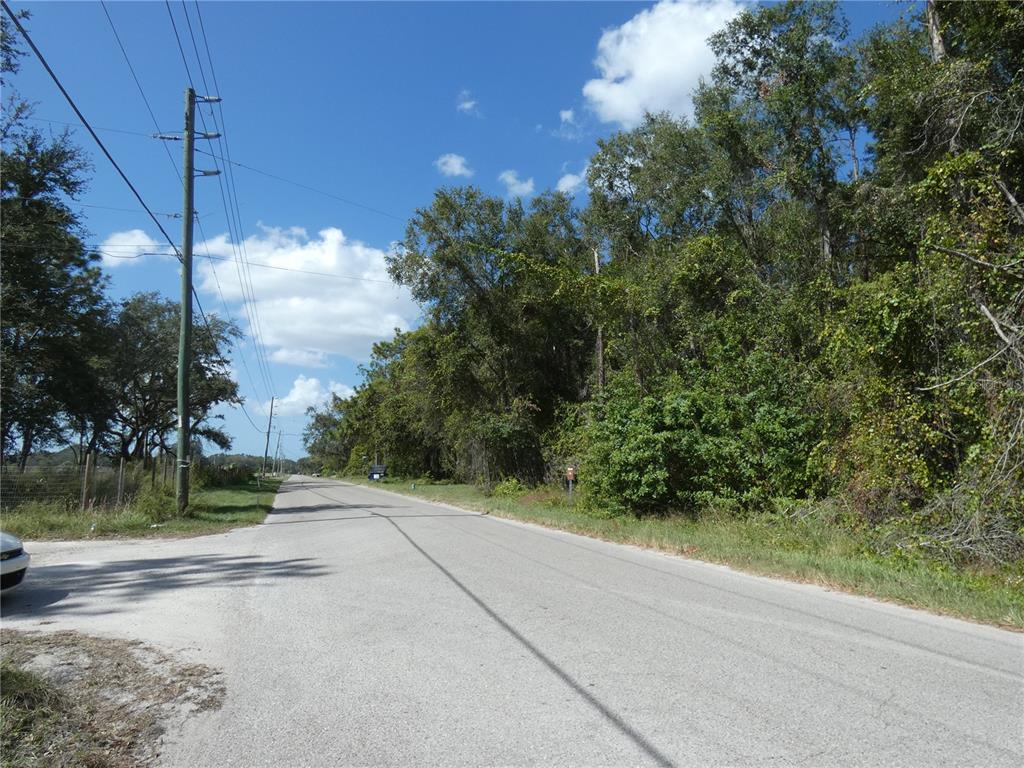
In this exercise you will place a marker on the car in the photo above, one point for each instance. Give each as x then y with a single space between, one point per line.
13 562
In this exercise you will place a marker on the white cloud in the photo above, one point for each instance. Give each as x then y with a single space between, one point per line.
567 117
129 247
306 358
306 315
570 182
453 165
515 186
466 104
653 62
307 393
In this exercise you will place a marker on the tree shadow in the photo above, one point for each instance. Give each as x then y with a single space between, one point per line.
333 507
102 588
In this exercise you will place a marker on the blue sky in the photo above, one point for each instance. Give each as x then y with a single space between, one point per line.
376 104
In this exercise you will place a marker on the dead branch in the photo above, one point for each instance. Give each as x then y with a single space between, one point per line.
1010 267
1017 208
965 374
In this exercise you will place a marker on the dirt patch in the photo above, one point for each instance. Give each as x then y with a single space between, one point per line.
76 700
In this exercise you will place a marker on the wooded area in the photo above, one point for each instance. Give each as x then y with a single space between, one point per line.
813 290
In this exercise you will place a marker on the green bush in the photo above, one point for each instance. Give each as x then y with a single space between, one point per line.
220 476
714 441
157 504
510 488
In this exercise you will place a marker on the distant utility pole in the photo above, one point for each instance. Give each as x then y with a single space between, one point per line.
185 332
266 448
277 454
599 352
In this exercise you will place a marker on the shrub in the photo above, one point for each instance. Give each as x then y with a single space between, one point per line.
157 504
510 488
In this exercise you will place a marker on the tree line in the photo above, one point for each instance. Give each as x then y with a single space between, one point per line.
79 367
813 289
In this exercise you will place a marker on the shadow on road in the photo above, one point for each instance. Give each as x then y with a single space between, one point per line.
612 717
371 516
82 587
335 507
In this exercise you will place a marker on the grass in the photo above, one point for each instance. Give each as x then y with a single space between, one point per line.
811 549
33 716
75 701
211 510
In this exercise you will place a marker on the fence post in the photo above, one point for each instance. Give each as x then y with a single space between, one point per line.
86 478
120 482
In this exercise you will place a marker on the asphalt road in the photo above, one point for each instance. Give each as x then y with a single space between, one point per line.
358 627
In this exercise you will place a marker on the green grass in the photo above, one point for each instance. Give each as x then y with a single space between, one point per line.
212 510
812 548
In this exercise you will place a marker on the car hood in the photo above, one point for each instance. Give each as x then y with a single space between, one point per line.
8 542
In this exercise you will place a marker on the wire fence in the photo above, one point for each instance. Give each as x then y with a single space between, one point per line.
96 482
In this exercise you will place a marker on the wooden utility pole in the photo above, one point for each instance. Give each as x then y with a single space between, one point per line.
185 332
266 448
599 351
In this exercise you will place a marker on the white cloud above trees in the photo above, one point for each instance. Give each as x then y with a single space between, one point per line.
569 183
654 61
514 186
453 165
307 393
324 295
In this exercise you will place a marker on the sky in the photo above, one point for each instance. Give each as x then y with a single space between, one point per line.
341 119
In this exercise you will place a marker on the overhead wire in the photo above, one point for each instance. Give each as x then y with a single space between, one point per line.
299 184
174 166
85 122
249 304
253 169
232 196
98 248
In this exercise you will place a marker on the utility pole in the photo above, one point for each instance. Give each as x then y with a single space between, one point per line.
266 448
599 352
185 331
277 453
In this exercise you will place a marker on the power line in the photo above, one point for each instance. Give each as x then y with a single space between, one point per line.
78 112
264 266
237 164
245 280
311 189
229 194
98 127
138 85
106 152
177 173
103 207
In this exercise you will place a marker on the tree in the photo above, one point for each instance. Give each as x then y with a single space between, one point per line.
54 309
143 376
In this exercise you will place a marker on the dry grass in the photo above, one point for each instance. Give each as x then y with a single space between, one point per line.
70 699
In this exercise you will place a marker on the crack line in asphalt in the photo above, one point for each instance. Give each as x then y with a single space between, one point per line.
613 718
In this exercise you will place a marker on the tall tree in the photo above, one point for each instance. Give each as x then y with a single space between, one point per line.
52 292
144 375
